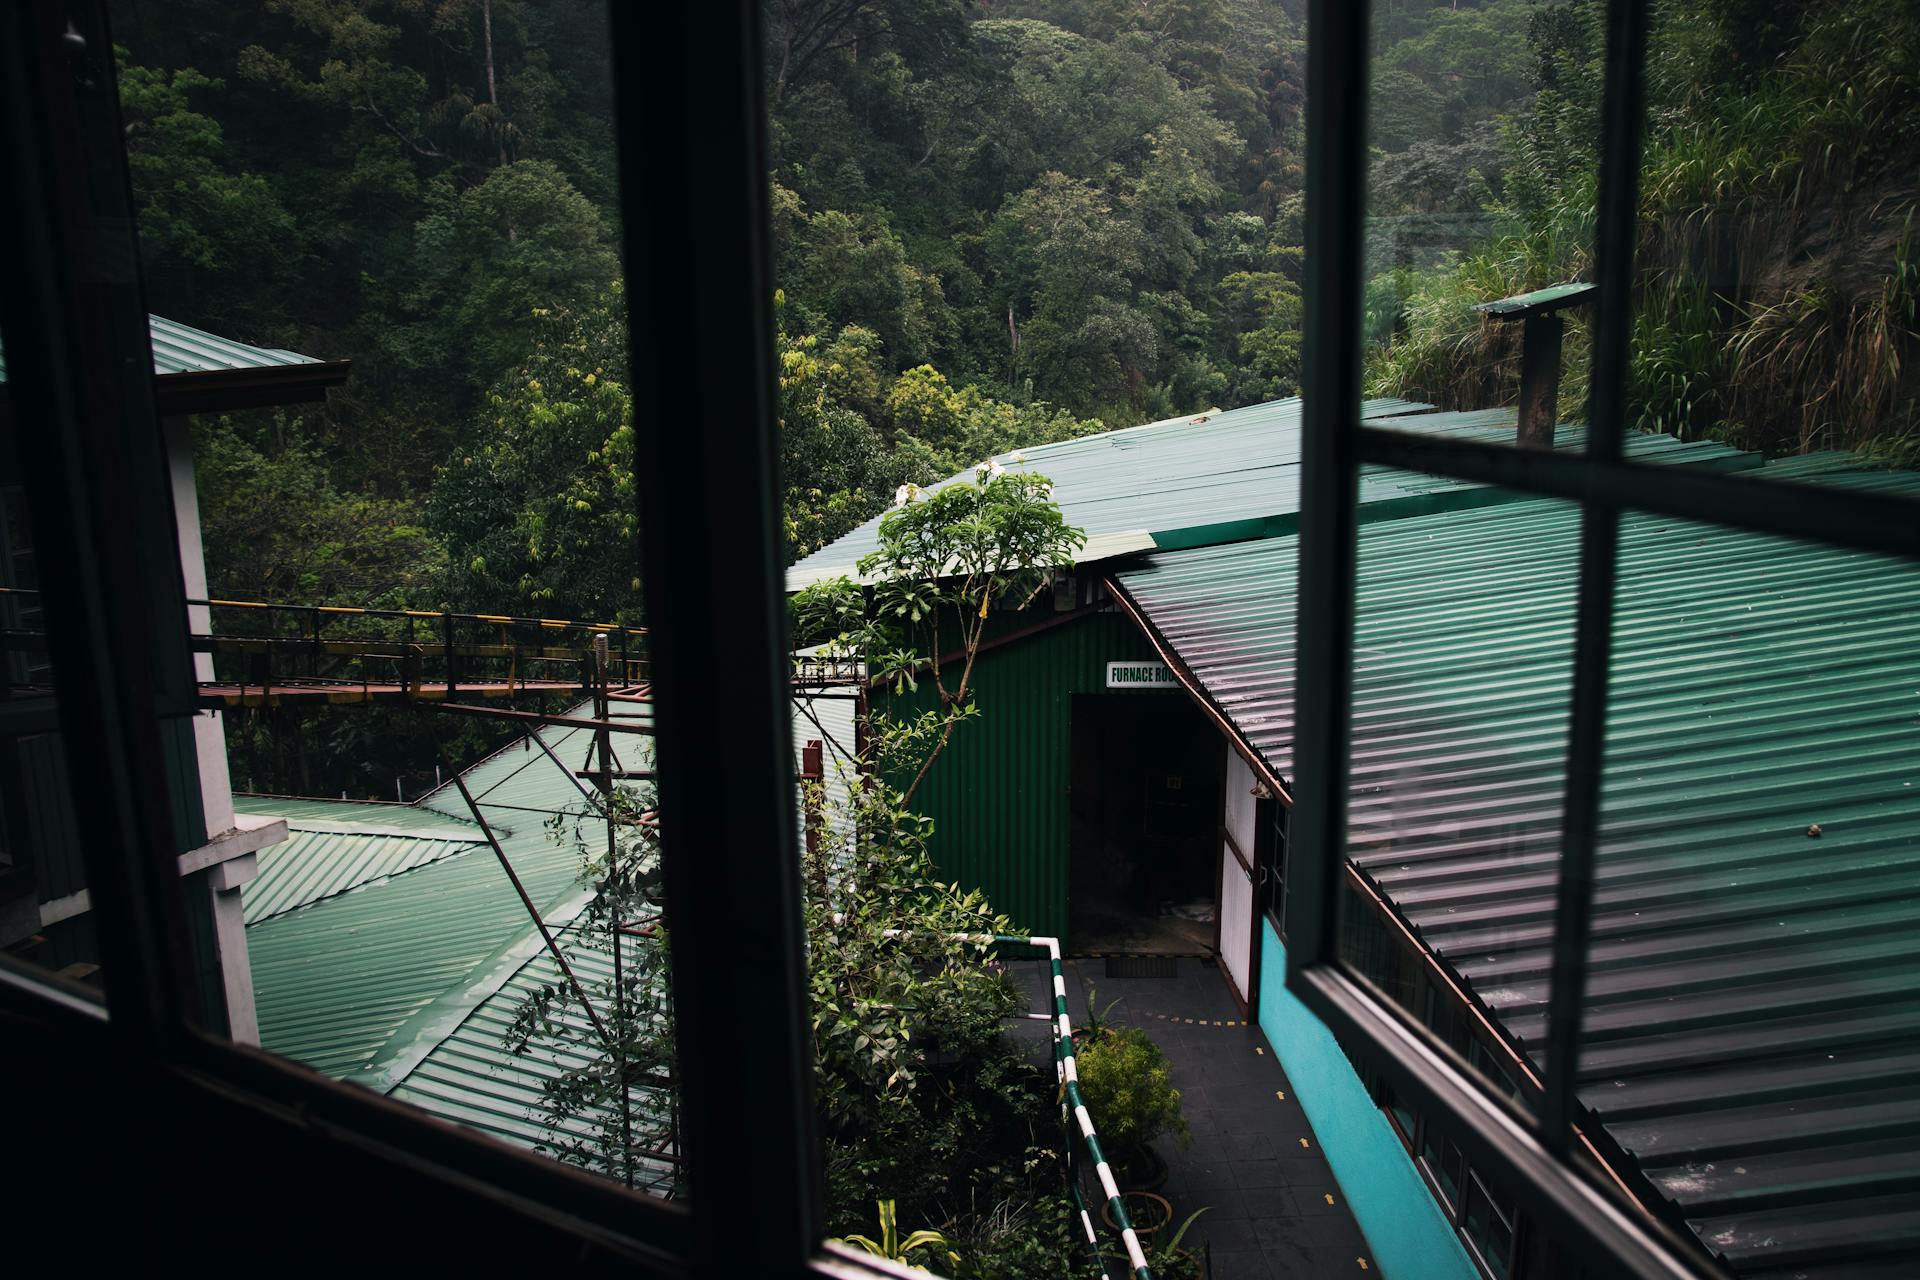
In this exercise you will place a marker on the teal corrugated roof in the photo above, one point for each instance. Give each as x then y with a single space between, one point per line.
338 845
308 814
1751 1030
181 348
1224 477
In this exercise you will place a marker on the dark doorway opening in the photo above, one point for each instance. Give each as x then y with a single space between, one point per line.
1146 826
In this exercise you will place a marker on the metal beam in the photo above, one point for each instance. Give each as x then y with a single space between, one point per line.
1599 564
1853 518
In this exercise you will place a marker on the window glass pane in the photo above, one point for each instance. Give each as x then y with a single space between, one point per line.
46 914
1462 656
1041 234
1755 960
1777 283
1488 1226
1484 127
381 248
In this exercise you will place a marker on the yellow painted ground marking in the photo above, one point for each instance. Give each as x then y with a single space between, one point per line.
1362 1262
1329 1196
1280 1094
1305 1143
1262 1052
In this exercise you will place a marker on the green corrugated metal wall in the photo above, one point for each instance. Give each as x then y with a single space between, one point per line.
998 794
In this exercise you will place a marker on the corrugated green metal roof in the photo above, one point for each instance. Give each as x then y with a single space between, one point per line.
311 865
181 348
310 814
1224 477
1753 1030
336 981
471 1078
389 948
338 845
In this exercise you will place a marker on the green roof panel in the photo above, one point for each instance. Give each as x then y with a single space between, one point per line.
1219 477
1756 936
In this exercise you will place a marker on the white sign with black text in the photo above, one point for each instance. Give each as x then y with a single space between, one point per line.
1140 675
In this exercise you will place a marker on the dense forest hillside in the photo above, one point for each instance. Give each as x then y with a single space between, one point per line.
996 222
1777 285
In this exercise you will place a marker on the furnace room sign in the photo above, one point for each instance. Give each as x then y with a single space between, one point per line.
1140 675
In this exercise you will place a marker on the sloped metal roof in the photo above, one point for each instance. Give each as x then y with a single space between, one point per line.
1228 476
181 348
310 814
471 1078
336 981
337 846
1753 1027
389 948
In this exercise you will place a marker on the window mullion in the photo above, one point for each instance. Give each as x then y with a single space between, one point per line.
1599 555
690 122
1335 229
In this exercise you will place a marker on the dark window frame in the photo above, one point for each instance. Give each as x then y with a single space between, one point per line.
1533 1150
689 116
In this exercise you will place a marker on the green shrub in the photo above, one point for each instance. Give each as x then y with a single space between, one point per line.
1128 1088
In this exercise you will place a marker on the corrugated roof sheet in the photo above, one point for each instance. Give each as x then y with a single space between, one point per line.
470 1077
1753 1028
1221 477
335 982
307 813
389 948
181 348
311 865
337 846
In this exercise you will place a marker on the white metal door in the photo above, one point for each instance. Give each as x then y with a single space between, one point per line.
1236 875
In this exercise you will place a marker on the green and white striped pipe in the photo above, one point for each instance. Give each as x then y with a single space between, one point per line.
1070 1081
1086 1219
1069 1077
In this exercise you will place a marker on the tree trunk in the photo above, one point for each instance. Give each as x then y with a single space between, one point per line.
486 29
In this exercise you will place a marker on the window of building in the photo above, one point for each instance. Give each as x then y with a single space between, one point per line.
1625 547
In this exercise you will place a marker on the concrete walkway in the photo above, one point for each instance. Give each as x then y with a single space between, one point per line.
1274 1211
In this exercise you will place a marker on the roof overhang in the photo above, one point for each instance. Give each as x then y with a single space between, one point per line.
223 390
1100 547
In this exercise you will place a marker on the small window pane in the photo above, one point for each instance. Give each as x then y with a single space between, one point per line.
1444 1162
1777 308
46 911
1484 132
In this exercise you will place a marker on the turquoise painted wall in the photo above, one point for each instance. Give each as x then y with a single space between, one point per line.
1409 1237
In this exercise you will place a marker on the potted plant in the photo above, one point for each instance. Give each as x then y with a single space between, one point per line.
1168 1259
1147 1212
1127 1086
1097 1024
